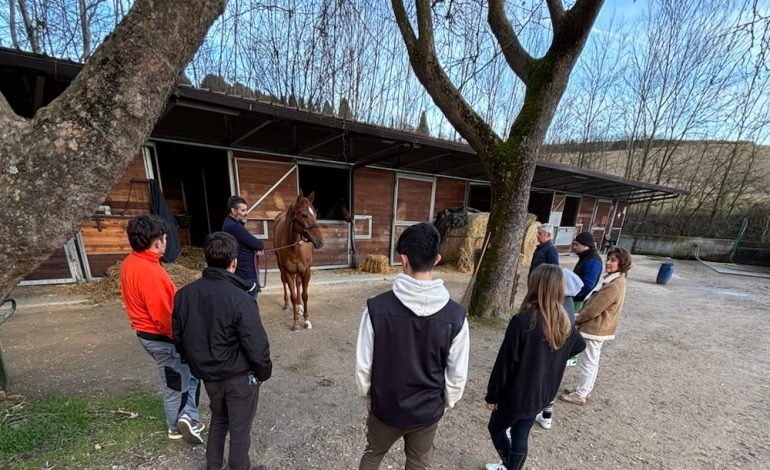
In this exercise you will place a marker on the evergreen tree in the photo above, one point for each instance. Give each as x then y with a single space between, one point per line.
422 127
344 111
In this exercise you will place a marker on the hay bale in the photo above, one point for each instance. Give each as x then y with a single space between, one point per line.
528 243
460 244
375 264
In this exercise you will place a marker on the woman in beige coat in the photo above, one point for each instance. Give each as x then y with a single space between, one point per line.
598 320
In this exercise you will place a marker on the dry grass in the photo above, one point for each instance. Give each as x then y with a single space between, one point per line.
108 289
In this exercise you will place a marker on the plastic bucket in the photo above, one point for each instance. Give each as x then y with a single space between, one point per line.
665 273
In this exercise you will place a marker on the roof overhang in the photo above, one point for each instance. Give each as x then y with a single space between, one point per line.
204 117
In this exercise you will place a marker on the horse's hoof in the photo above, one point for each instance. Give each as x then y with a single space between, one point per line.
286 306
295 328
308 325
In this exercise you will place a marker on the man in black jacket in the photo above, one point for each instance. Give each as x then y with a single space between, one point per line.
218 331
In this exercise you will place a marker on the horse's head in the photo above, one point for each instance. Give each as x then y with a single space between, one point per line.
304 220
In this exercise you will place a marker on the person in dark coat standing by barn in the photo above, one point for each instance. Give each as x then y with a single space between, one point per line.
250 248
545 253
218 332
588 267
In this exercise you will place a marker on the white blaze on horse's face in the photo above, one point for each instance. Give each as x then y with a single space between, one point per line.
312 212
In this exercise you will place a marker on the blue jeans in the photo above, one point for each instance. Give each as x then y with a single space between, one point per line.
180 387
513 451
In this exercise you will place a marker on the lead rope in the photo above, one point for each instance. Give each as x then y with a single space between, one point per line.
272 250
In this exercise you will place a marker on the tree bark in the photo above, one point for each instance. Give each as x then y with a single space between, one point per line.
57 168
510 163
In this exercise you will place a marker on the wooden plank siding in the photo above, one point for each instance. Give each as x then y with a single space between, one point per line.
585 214
449 193
104 237
55 267
413 203
373 192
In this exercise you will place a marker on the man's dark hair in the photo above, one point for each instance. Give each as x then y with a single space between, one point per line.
220 249
233 202
144 229
420 244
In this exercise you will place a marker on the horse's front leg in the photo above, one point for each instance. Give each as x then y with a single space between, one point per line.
305 282
284 282
293 288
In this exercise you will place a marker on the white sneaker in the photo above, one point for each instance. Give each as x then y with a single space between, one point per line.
494 466
190 430
545 423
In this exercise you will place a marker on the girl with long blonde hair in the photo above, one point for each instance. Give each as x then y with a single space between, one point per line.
530 365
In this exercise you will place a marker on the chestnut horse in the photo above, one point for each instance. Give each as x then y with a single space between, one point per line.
294 228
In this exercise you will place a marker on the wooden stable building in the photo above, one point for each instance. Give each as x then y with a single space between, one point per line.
208 145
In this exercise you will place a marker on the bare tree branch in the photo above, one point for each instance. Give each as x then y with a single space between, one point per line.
556 9
515 54
422 55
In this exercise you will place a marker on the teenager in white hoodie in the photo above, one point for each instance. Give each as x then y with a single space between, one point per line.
412 355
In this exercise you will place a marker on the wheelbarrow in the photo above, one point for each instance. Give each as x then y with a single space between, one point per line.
7 308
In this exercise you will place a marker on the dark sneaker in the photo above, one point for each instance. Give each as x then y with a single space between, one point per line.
190 430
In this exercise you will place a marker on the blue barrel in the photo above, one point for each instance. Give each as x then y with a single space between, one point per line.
665 273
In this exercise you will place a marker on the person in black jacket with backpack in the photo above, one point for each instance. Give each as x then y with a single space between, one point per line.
218 332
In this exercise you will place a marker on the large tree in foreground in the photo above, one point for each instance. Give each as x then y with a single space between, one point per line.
56 168
509 162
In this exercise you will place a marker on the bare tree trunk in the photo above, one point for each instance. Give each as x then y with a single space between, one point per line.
84 29
12 23
510 163
29 28
64 160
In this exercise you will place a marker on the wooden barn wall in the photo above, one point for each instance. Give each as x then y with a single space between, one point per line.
373 191
55 267
104 237
585 214
449 193
255 178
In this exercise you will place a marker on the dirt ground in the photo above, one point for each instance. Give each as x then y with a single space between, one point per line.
684 385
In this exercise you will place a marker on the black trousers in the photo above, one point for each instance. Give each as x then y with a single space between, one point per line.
233 407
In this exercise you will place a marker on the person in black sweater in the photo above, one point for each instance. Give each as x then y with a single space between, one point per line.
218 332
530 365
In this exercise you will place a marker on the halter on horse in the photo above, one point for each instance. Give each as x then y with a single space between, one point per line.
297 224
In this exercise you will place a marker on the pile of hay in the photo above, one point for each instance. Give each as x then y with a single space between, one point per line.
108 288
460 244
375 264
192 258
